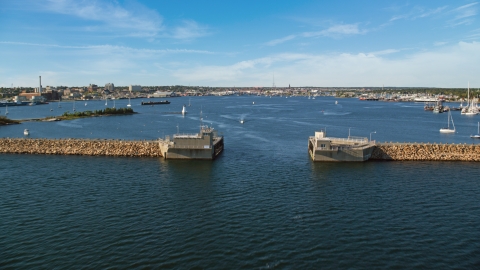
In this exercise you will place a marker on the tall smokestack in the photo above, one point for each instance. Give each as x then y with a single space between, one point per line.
40 86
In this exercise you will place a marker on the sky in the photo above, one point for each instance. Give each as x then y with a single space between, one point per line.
246 43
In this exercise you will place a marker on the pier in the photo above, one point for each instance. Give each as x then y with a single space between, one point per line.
426 152
204 145
356 149
85 147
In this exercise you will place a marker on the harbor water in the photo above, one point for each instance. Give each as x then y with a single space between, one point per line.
263 204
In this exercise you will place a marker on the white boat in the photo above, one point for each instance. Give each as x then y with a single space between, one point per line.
336 102
448 129
6 109
184 110
129 104
85 103
189 102
242 121
26 132
74 105
113 103
470 108
477 136
106 102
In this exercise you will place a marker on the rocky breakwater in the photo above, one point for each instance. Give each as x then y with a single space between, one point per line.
426 152
88 147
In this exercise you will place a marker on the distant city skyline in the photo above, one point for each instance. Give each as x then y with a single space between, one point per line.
244 44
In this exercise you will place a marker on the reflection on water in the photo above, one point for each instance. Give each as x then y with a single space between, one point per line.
263 203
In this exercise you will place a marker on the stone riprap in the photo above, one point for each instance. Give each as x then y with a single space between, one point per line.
89 147
426 152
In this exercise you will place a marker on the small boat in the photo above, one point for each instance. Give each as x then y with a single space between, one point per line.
6 109
448 129
242 121
26 132
85 103
336 102
253 103
477 136
184 110
129 104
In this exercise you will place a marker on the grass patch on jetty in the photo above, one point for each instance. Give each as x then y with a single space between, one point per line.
5 121
106 112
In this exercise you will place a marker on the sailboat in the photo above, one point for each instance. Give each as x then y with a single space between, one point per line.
477 136
184 110
448 129
85 103
6 109
59 100
113 103
189 102
129 104
74 105
106 101
470 108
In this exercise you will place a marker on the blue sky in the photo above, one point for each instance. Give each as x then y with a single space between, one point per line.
240 43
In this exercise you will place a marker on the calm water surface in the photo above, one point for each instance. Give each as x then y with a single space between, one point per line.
262 204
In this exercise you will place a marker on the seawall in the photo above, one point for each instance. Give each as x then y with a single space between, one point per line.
426 152
89 147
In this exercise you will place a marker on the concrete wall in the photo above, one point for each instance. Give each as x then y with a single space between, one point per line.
88 147
185 153
427 152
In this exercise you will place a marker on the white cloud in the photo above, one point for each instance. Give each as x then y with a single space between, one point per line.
113 49
446 66
335 31
280 40
136 20
190 30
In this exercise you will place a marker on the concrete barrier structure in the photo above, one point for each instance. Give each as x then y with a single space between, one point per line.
426 152
89 147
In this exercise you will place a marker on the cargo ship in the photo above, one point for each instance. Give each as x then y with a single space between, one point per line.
156 102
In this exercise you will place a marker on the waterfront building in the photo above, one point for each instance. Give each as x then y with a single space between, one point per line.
204 145
135 88
92 88
323 148
110 87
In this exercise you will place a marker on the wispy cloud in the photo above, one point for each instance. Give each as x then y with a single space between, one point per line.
111 48
463 14
280 40
418 12
131 19
134 20
190 30
334 31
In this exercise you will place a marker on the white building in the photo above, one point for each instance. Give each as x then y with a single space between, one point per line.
135 88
